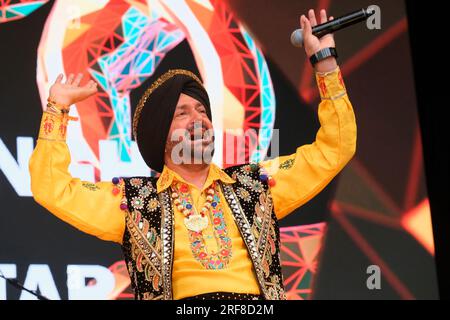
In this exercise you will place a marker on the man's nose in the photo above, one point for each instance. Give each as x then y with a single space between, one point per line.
197 124
197 116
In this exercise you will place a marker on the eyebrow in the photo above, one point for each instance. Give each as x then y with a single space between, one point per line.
184 105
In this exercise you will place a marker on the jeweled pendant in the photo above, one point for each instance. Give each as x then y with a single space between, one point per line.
196 222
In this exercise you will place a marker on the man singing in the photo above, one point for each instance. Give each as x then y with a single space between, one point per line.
196 231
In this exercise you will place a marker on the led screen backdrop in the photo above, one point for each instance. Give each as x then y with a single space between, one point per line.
375 213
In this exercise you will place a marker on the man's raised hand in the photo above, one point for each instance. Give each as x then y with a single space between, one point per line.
313 44
70 91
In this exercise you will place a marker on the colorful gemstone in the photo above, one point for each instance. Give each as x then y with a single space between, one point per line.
263 177
115 191
254 167
115 180
123 206
272 182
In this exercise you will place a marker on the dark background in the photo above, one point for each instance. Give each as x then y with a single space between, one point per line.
434 124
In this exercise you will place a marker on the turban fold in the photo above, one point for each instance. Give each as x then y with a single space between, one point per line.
154 113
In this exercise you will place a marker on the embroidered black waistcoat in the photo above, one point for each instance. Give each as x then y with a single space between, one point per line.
148 241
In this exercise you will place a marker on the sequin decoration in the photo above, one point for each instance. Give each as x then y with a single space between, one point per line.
244 194
137 202
257 186
245 180
136 182
145 191
246 169
153 205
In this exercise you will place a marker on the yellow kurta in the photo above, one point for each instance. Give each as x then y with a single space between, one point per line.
94 209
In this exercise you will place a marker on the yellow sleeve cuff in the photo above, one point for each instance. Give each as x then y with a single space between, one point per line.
53 127
331 84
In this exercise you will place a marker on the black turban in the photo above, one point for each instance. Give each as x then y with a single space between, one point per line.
154 113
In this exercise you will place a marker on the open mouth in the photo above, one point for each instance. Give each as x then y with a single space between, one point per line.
199 134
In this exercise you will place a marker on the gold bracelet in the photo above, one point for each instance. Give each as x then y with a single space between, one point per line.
58 105
53 109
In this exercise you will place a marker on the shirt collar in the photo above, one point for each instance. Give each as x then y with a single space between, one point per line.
167 177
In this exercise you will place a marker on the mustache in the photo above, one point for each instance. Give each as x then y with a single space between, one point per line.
198 130
197 125
190 134
199 134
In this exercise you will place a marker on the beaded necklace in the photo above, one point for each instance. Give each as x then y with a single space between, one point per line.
193 220
196 222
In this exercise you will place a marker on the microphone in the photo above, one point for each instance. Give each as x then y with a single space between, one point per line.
19 286
332 26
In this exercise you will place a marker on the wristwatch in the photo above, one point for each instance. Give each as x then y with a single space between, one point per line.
322 55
